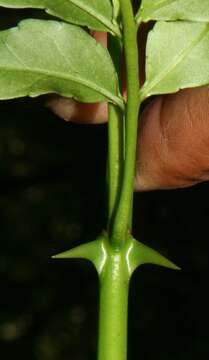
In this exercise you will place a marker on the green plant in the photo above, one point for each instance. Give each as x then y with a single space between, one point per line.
41 56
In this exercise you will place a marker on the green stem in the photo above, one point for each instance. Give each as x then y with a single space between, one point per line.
123 213
114 282
115 137
115 158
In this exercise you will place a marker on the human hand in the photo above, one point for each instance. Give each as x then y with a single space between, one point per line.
173 138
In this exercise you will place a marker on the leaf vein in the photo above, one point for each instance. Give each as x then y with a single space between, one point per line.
98 16
104 92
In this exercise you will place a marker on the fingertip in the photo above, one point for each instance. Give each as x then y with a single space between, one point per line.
71 110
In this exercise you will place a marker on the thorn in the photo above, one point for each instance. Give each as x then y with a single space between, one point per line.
142 254
94 251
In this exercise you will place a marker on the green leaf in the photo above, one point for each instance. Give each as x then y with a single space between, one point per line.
40 57
177 57
193 10
95 14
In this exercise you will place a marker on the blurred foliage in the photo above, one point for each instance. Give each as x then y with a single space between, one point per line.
52 197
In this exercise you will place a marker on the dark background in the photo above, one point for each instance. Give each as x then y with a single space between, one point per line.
52 197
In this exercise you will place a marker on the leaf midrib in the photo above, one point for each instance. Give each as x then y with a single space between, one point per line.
115 99
146 90
97 16
161 4
90 11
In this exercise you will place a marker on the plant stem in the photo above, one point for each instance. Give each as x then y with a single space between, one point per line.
123 212
115 158
115 137
114 282
114 277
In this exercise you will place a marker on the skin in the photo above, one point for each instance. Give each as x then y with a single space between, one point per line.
173 137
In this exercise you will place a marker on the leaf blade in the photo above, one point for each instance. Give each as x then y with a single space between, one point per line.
26 66
178 61
97 15
171 10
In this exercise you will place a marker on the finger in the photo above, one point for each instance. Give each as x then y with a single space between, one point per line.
71 110
173 146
